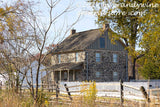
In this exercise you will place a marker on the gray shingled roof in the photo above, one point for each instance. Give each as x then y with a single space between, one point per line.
67 66
78 41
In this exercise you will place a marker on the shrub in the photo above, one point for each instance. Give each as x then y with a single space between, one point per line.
89 93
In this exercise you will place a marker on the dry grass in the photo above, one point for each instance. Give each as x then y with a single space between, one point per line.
8 98
11 99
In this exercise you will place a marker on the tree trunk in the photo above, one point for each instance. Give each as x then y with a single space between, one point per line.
132 59
17 83
131 67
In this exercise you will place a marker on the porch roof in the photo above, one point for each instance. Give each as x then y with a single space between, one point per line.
67 66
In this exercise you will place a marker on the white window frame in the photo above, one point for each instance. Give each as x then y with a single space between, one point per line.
115 58
77 57
98 57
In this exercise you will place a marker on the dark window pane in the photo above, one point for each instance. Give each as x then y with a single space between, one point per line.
102 42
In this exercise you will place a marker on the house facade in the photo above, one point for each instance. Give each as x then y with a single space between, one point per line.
89 55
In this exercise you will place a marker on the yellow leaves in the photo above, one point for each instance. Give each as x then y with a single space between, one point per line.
46 103
1 29
2 12
89 93
8 8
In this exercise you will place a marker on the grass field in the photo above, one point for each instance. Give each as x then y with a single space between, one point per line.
47 99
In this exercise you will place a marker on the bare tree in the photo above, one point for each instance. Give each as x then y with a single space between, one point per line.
31 37
16 40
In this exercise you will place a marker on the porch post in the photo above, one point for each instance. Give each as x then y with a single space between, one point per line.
73 75
60 76
68 75
52 76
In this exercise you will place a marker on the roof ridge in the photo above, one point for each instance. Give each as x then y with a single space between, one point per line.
84 31
88 30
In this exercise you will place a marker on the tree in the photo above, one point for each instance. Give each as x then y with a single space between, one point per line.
15 36
40 34
150 63
11 18
29 37
130 20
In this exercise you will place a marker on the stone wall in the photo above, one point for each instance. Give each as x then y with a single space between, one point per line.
68 57
106 67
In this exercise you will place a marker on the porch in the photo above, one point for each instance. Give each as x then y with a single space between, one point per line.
64 72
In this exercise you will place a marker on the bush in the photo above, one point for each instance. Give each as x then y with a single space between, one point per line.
89 93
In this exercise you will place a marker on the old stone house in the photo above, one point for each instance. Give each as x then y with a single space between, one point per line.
89 55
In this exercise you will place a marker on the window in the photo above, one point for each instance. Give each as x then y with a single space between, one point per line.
115 76
76 75
59 59
102 42
65 75
77 59
115 58
98 57
97 74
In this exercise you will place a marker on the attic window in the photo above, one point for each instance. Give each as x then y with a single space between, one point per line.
102 42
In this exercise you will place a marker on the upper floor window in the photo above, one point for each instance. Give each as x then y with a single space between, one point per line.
98 57
102 42
115 56
59 58
77 59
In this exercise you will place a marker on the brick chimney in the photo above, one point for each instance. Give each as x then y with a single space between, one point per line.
73 31
105 27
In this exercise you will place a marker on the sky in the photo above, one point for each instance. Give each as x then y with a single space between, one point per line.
86 21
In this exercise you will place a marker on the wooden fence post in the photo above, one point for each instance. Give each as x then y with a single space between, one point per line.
57 90
145 94
65 85
42 85
121 92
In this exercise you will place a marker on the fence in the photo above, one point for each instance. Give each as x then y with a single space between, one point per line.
122 90
110 89
113 89
131 90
